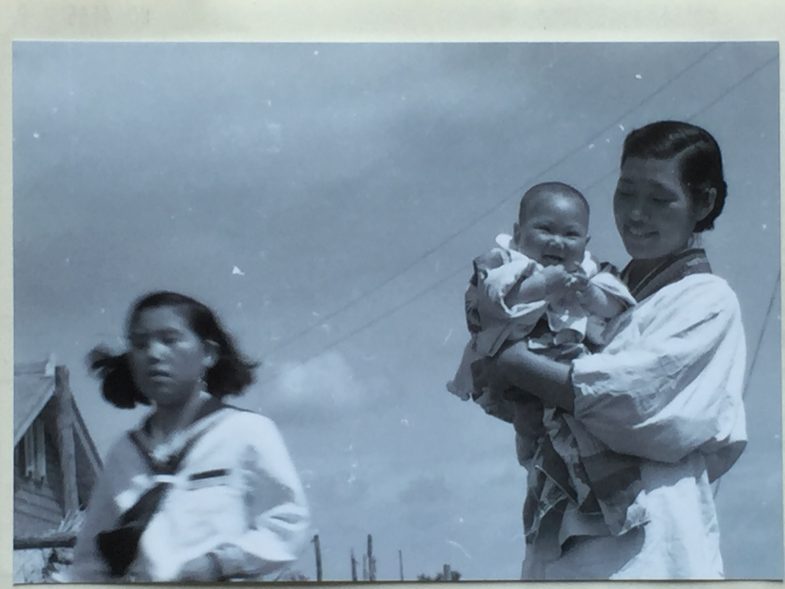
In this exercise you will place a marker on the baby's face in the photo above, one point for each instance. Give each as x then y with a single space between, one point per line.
554 230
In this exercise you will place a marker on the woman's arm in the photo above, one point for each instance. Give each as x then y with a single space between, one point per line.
671 382
516 366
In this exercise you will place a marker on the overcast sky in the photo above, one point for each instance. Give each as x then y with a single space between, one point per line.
327 201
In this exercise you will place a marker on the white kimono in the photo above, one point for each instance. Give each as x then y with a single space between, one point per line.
667 389
236 492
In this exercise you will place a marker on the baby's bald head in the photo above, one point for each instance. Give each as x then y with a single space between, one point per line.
549 191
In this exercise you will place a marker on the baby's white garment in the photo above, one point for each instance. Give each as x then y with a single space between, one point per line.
569 323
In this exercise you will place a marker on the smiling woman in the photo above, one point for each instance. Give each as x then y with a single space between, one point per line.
657 415
662 200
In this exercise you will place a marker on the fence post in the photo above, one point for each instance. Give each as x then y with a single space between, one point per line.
371 560
354 565
318 552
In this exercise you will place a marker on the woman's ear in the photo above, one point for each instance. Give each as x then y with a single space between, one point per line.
211 353
703 209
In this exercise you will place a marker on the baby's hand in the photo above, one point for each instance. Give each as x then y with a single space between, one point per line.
556 278
558 281
579 282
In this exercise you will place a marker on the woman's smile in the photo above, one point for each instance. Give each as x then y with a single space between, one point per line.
636 232
654 214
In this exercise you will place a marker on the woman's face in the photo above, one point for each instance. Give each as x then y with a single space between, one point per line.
167 358
655 216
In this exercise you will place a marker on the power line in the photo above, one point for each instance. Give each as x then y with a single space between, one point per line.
702 110
494 207
759 343
463 268
370 323
756 352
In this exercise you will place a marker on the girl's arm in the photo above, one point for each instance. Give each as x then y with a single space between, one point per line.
278 515
101 514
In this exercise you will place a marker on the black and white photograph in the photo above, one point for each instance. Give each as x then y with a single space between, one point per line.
396 311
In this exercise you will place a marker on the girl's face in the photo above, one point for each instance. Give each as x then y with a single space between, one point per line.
655 216
167 358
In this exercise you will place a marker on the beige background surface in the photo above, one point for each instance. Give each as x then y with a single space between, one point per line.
391 20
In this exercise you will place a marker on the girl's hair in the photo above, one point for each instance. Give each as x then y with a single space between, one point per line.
699 160
230 375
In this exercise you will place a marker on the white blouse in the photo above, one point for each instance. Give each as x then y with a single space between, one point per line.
668 388
237 492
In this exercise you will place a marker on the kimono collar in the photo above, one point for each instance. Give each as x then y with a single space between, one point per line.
165 458
672 269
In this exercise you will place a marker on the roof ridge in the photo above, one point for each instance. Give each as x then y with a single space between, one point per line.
42 367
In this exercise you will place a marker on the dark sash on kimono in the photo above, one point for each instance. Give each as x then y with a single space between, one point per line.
119 545
672 269
615 479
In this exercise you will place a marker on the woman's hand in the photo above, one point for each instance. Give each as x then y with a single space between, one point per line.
550 381
486 376
201 568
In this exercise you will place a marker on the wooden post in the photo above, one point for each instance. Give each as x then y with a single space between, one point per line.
318 552
446 572
51 540
354 565
400 564
371 560
65 429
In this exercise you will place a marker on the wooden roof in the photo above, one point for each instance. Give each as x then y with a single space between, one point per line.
34 386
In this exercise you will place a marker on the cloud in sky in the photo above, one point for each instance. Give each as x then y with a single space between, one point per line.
325 387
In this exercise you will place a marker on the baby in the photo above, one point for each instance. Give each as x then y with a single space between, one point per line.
541 286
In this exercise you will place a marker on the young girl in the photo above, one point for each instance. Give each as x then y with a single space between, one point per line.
200 491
